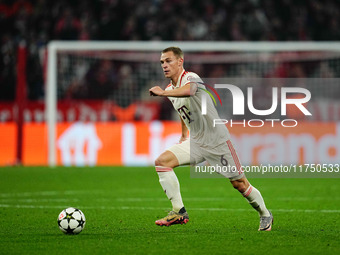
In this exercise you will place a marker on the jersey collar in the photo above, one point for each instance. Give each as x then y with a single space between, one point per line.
180 77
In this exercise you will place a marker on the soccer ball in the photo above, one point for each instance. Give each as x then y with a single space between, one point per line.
71 221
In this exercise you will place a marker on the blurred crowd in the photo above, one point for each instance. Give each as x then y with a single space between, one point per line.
36 22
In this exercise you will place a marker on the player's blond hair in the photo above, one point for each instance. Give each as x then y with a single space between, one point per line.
177 51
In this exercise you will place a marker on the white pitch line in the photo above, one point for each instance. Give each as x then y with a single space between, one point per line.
31 206
141 199
162 208
49 193
144 199
38 200
150 199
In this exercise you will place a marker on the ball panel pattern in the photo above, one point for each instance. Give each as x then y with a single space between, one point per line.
71 221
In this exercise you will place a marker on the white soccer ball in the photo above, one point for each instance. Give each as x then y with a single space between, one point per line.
71 221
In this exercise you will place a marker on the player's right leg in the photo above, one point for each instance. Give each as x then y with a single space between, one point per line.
178 154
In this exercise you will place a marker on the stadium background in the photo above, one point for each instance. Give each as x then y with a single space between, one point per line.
103 96
107 91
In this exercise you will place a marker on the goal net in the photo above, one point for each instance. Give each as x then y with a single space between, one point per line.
109 81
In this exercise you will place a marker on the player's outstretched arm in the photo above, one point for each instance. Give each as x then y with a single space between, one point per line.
184 91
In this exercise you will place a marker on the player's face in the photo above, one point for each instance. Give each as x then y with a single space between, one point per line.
171 65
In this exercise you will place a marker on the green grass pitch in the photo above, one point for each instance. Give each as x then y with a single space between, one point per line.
122 203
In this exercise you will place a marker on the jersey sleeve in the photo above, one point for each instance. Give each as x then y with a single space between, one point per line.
192 78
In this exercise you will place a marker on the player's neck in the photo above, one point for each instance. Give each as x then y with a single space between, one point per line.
175 78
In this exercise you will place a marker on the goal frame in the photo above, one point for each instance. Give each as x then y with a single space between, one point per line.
151 46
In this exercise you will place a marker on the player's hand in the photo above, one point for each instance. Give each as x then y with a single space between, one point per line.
156 91
182 139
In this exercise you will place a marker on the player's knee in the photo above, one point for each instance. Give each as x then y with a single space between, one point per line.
240 185
236 184
160 161
167 159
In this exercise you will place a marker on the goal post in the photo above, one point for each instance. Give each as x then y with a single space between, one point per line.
146 53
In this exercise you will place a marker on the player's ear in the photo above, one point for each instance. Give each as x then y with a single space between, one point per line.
180 61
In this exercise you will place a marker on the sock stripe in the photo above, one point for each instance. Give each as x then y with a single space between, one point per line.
163 169
247 193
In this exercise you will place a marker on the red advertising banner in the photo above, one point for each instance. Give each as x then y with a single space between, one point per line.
8 138
113 143
139 143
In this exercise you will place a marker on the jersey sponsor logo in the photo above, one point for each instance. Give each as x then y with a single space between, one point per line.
185 113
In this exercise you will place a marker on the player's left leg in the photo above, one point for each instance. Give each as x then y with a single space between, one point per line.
253 196
250 193
234 172
255 199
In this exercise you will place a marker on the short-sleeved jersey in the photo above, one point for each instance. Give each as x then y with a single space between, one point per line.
201 128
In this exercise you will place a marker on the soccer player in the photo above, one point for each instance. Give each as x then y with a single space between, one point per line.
208 143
